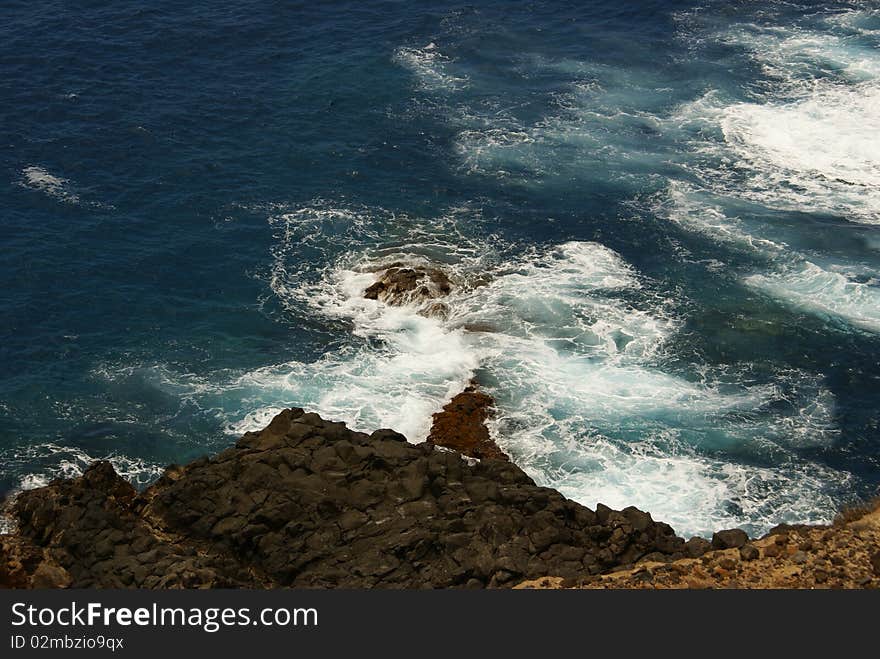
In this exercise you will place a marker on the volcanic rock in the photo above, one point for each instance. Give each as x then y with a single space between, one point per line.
461 426
696 547
400 285
729 539
309 503
843 555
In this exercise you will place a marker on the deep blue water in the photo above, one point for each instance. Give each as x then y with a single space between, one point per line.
667 214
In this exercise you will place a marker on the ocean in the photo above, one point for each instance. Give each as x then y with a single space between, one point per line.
661 220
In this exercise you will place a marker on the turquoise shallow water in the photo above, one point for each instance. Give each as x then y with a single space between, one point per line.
666 214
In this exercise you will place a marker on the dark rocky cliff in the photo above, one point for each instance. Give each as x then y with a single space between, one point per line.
309 503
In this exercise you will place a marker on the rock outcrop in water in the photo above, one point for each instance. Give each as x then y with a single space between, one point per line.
461 426
309 503
400 285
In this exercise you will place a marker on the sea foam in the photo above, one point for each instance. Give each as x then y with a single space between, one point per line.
808 286
431 68
809 142
37 178
570 341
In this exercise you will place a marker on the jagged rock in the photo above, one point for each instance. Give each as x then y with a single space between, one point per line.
309 503
20 561
461 426
843 555
400 285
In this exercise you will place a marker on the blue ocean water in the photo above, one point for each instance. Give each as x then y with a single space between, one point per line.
662 220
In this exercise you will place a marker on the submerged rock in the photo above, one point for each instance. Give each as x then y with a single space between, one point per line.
309 503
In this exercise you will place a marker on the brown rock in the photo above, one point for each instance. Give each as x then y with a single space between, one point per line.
696 547
19 558
697 583
728 563
399 285
461 426
729 539
50 575
748 552
771 551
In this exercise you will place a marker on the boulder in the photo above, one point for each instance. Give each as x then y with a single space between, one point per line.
748 552
729 539
696 547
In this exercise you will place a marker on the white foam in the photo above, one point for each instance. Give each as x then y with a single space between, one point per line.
37 178
67 462
70 462
820 153
58 461
404 366
810 287
419 366
584 407
491 150
698 212
865 22
798 58
586 113
589 127
431 68
837 290
560 296
811 141
695 494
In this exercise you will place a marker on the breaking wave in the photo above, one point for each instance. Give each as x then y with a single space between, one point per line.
569 339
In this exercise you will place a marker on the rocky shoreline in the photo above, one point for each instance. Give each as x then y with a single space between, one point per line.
307 502
461 426
843 555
